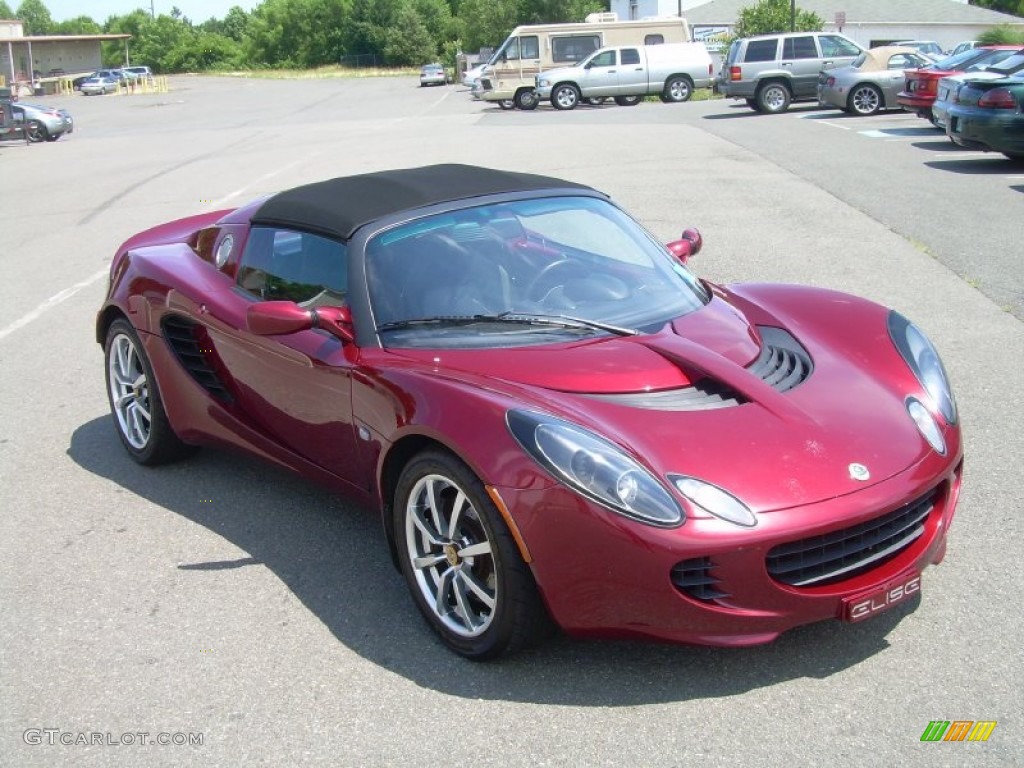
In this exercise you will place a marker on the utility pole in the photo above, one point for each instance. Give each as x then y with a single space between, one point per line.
792 15
152 8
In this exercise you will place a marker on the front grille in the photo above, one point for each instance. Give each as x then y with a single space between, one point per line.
180 334
693 578
783 362
847 552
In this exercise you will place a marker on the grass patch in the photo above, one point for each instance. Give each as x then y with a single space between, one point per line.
333 71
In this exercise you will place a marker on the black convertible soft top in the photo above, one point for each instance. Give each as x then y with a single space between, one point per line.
338 207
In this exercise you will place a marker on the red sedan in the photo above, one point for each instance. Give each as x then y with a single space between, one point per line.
922 84
554 418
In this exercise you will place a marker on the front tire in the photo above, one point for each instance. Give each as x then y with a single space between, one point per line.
677 90
507 104
527 99
135 400
460 560
865 100
565 97
628 101
774 98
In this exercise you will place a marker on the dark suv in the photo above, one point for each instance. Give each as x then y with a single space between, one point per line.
771 71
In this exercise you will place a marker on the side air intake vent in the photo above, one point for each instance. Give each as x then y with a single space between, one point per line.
181 335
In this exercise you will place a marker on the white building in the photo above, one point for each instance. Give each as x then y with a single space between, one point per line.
868 22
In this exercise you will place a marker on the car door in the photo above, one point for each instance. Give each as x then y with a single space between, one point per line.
801 60
602 74
632 72
892 80
295 388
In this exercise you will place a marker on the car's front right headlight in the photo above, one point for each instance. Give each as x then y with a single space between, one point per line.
543 82
595 468
923 359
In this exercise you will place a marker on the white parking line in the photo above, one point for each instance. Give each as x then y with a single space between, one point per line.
67 293
52 302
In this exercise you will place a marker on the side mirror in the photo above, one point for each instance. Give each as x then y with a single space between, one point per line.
280 318
688 245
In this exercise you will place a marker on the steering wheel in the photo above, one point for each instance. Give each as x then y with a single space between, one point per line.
538 286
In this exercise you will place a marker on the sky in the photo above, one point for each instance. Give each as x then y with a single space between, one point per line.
99 10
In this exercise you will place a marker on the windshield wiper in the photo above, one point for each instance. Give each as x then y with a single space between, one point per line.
523 318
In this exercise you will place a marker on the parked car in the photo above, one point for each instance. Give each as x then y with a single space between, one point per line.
92 86
948 87
471 75
771 71
43 123
921 85
550 413
989 115
929 48
628 72
115 74
137 73
966 45
433 74
872 82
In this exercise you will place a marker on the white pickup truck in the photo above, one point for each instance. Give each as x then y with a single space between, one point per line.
629 72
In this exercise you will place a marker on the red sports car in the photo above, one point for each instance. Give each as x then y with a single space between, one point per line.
921 86
554 417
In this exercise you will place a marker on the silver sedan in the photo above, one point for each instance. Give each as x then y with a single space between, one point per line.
871 82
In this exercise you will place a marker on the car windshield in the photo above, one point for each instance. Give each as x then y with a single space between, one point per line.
963 59
521 273
1009 66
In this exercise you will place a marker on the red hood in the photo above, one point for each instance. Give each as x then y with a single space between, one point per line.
773 449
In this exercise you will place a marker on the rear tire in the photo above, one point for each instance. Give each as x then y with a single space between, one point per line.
36 131
678 89
628 101
527 99
865 100
507 104
752 103
774 98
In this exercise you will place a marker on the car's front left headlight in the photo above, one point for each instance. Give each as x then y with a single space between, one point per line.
595 468
920 354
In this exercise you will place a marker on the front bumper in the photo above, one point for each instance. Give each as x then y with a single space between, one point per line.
603 575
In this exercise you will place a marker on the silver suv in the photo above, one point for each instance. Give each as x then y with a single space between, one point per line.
771 71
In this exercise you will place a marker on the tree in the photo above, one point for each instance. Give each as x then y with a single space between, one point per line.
296 33
1004 34
1016 7
80 25
35 17
5 11
770 16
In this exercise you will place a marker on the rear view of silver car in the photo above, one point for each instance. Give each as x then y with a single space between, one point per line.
43 123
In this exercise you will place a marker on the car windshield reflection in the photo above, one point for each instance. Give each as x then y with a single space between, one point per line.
521 273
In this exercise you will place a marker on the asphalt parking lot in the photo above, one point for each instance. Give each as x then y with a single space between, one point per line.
223 599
